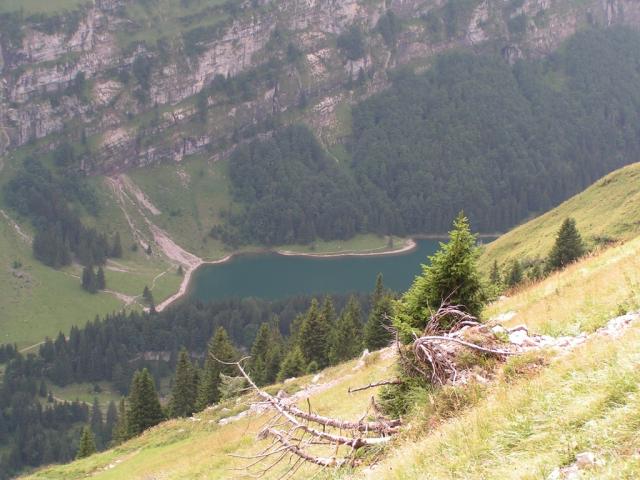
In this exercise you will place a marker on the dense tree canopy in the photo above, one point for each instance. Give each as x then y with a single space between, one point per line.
292 191
46 199
501 142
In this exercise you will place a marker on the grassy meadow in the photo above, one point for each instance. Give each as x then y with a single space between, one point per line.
606 211
522 426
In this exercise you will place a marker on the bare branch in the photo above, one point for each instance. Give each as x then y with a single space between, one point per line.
322 461
424 340
376 384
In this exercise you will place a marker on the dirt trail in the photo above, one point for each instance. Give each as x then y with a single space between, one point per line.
128 194
126 299
137 193
27 238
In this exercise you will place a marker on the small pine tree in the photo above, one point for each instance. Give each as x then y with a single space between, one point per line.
180 270
89 282
376 331
97 425
144 407
121 429
87 444
221 348
567 248
346 336
514 277
266 353
111 422
294 365
495 277
259 352
101 282
42 390
452 278
314 336
183 395
147 296
116 249
148 251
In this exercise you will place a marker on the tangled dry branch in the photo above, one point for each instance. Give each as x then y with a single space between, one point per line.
434 360
300 434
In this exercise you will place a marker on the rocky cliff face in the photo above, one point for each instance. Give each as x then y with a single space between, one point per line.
140 102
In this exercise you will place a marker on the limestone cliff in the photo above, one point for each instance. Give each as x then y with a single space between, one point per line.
134 101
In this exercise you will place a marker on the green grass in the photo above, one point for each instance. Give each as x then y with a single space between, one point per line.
85 392
188 449
38 301
538 414
167 19
31 7
587 402
609 208
580 298
190 196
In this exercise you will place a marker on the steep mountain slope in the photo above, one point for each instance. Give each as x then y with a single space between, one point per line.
202 446
526 424
144 82
605 212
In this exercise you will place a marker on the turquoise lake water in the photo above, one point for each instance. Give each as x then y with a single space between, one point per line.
274 276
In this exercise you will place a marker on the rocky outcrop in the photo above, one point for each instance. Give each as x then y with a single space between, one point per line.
84 73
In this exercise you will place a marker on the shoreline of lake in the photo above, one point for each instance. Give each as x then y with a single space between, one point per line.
189 285
409 246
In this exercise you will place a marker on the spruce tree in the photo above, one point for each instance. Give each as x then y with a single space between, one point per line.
42 389
514 276
96 423
494 276
111 422
89 279
451 278
144 407
294 365
221 348
259 352
116 249
275 353
101 282
87 444
567 248
183 395
120 431
328 312
314 336
346 336
376 331
147 296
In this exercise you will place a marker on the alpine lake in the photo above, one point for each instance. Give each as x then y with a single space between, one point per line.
273 276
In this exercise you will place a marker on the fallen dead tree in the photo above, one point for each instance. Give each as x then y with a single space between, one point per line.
436 351
305 435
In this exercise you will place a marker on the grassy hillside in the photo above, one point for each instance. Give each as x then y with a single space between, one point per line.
38 301
585 401
522 426
200 447
608 210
